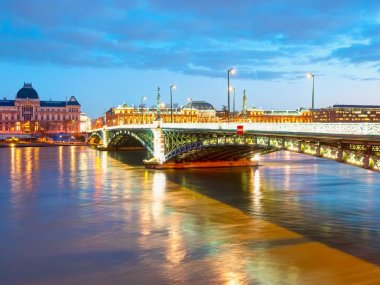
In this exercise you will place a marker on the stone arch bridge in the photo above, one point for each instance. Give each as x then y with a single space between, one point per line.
220 144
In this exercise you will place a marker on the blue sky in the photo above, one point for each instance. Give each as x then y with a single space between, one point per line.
109 52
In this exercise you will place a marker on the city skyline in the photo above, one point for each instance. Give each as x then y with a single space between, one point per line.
109 54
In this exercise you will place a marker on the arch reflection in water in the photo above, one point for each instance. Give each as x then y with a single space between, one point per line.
159 186
256 191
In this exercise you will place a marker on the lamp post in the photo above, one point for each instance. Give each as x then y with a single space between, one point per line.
230 71
171 102
158 104
310 75
233 104
142 108
191 109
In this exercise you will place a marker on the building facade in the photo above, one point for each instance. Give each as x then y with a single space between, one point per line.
256 115
85 123
27 114
348 114
192 112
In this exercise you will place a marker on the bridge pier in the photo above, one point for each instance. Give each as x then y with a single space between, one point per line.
104 146
366 161
202 164
318 150
340 154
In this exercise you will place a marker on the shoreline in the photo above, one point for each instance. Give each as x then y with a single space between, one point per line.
11 145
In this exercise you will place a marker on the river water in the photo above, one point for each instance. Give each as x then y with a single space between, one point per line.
74 215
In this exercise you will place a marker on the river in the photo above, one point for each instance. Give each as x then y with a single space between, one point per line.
75 215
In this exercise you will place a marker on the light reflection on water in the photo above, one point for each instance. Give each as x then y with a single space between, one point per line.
73 214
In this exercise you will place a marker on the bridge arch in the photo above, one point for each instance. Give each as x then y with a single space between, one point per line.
131 138
214 147
95 139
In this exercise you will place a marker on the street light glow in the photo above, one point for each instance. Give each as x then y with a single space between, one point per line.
171 101
229 71
309 75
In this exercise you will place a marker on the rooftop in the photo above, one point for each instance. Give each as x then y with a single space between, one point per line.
27 92
199 105
357 106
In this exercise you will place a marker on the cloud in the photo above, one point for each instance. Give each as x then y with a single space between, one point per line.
265 40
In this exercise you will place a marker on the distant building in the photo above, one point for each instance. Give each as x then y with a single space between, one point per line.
27 114
196 111
98 123
85 123
199 111
258 115
348 114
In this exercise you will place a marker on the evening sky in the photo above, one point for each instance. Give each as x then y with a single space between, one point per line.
110 52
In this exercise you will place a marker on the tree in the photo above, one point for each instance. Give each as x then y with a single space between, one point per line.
44 127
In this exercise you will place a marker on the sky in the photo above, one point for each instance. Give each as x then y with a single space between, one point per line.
107 52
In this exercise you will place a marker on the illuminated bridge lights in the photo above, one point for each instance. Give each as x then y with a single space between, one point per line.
353 158
358 147
276 143
310 149
352 143
374 162
329 152
292 145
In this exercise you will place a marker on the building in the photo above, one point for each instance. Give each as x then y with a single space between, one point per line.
199 112
85 123
27 114
258 115
348 114
195 111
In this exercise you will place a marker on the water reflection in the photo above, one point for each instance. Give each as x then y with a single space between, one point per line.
256 191
109 222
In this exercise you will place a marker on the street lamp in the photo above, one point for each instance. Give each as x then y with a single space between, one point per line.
233 104
310 76
191 109
171 102
230 71
158 104
142 108
143 98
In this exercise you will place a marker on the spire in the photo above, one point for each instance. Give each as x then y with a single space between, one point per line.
158 104
244 104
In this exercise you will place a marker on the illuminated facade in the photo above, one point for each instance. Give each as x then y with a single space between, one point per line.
256 115
196 112
85 123
28 114
348 113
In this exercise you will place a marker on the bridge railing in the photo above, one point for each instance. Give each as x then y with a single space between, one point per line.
317 128
361 129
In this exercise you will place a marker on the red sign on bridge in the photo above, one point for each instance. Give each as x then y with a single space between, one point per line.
240 130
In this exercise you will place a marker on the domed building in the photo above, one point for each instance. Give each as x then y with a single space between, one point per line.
200 111
28 114
27 92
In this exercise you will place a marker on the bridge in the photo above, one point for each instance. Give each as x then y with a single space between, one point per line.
208 144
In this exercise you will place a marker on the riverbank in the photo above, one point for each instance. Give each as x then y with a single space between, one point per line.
42 144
